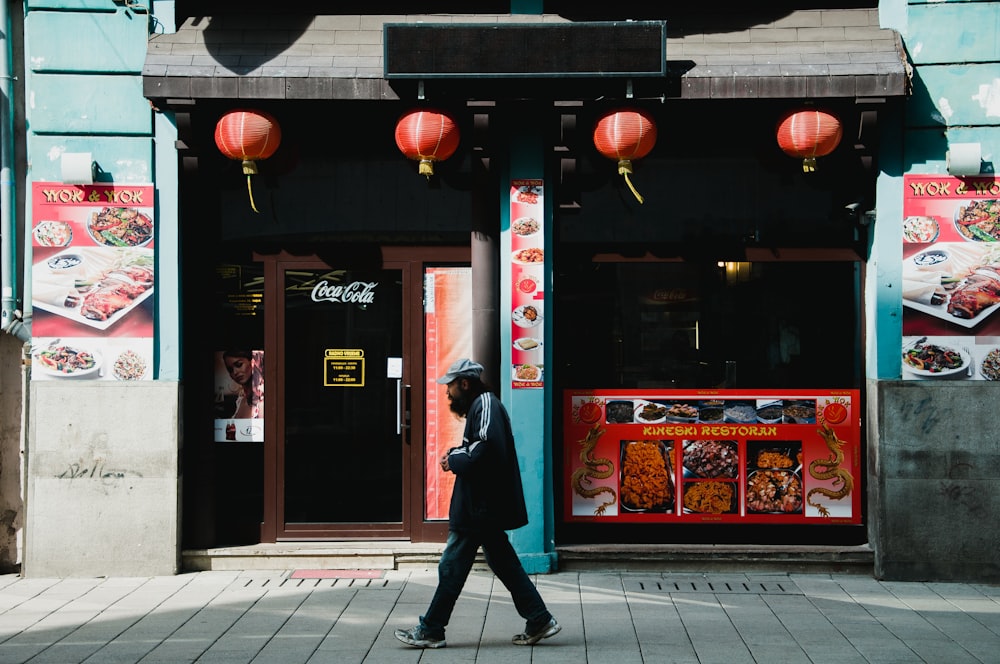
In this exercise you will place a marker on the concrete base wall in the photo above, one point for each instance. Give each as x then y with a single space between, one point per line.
934 480
102 478
11 487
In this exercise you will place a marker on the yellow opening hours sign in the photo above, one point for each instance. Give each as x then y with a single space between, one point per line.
344 367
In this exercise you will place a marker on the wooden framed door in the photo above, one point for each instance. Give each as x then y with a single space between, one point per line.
344 439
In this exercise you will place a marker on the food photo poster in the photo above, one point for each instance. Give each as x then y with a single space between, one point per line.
719 456
239 396
92 281
527 320
951 278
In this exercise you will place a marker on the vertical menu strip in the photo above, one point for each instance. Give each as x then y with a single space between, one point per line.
527 262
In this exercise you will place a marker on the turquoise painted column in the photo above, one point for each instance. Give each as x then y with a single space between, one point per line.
526 6
168 261
530 408
884 303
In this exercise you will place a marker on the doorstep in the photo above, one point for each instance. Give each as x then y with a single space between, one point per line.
858 559
314 555
386 555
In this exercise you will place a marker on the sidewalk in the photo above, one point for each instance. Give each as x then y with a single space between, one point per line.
238 617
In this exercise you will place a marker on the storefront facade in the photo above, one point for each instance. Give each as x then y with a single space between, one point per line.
717 276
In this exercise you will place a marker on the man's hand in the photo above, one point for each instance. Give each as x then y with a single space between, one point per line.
444 462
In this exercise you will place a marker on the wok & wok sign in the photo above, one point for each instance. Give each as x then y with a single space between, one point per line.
950 278
92 281
719 456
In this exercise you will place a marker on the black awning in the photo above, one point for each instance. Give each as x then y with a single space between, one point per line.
806 54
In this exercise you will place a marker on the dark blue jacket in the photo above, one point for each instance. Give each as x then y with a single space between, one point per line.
488 494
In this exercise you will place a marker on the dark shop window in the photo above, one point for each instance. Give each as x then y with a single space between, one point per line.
768 325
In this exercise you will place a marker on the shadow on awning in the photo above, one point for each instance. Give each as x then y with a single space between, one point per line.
804 54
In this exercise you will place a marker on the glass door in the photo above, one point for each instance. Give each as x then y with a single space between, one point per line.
342 426
345 437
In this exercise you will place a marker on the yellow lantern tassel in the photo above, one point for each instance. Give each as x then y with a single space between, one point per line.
250 191
625 168
249 169
809 165
426 168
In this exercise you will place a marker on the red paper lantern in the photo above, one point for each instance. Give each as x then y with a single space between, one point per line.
248 135
426 137
809 134
625 135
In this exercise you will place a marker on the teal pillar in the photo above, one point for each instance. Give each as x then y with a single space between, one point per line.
530 408
885 306
168 321
526 6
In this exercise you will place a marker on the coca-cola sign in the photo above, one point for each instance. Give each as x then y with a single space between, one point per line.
356 292
670 296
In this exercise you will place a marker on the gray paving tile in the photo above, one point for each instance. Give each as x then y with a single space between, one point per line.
754 621
8 579
244 617
787 653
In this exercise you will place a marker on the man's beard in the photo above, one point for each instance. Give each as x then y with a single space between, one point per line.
461 403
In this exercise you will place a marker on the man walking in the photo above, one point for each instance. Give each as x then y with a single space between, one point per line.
487 501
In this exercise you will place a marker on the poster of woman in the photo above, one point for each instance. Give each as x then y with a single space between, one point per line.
239 395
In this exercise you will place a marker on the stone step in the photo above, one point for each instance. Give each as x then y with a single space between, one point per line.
717 558
610 557
310 555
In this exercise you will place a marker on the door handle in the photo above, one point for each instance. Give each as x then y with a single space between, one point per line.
403 410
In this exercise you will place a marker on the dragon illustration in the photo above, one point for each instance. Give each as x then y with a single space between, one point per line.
591 470
830 470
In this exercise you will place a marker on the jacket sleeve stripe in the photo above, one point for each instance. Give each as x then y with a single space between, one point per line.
485 415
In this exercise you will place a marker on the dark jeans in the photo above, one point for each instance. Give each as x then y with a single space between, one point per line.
456 562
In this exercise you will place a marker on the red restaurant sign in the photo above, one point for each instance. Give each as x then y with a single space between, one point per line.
719 456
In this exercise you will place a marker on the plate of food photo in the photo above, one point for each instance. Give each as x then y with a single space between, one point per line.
120 227
775 456
950 282
711 459
527 372
527 193
95 286
710 497
528 343
932 258
129 365
680 411
65 263
979 221
711 411
989 368
66 361
932 360
770 412
526 315
920 229
530 256
774 492
649 412
799 412
53 234
619 412
740 412
525 227
646 482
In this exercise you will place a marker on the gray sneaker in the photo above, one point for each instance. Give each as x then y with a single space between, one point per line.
419 638
551 628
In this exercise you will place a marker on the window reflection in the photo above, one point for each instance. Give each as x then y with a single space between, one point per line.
708 325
